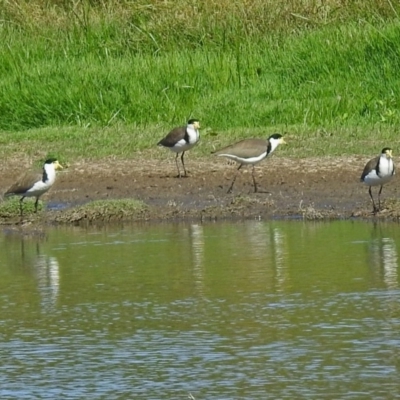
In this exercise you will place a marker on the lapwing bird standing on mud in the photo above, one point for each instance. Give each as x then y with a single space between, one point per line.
378 172
182 139
35 184
250 151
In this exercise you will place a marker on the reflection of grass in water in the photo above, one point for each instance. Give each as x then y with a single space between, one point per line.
104 210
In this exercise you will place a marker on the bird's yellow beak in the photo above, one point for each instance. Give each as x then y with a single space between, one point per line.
282 141
57 165
389 154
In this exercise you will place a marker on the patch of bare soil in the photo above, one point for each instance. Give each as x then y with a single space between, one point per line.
318 188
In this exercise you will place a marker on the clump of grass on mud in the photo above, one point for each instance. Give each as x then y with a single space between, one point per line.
10 209
104 211
390 209
311 213
240 206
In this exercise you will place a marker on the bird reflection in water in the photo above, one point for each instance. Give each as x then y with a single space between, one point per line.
45 268
384 257
48 278
197 245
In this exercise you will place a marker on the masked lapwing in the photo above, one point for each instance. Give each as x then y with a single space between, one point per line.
378 172
35 184
250 151
182 139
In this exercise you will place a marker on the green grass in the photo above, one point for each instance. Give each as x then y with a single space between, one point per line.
104 211
72 144
109 79
331 77
9 208
99 211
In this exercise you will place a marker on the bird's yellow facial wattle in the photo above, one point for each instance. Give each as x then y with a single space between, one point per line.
389 154
57 165
196 125
282 141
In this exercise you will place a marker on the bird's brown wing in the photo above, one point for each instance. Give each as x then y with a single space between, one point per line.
246 148
371 164
24 182
173 137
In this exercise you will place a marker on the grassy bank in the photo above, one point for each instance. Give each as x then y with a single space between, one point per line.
109 78
121 141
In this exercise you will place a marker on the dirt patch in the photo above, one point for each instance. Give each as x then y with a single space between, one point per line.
318 188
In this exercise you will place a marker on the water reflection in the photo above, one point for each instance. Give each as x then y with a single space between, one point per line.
47 272
280 247
196 232
390 264
259 252
384 259
29 258
268 243
295 310
255 239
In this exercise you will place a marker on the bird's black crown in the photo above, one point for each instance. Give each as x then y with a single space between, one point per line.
275 136
192 121
386 149
50 160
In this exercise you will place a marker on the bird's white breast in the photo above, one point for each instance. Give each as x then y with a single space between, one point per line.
38 188
386 172
183 145
385 167
193 135
241 160
41 187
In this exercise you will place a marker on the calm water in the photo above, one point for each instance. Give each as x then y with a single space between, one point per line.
255 310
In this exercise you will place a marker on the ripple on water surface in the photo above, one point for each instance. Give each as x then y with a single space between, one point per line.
235 311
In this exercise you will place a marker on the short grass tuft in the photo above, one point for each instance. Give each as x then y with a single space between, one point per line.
105 211
9 208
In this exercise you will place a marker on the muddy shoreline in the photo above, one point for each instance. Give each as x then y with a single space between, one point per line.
314 189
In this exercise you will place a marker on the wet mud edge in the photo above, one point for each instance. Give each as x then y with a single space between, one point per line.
314 189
